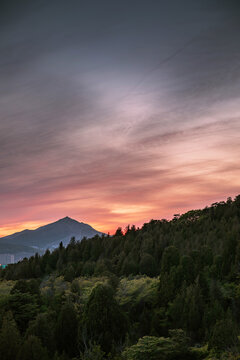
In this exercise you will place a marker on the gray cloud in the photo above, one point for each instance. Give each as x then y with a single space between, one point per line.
97 93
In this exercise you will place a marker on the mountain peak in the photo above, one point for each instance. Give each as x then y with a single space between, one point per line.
67 219
47 236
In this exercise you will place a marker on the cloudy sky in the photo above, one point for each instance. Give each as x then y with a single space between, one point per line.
115 112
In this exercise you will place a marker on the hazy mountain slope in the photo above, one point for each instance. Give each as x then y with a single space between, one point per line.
48 236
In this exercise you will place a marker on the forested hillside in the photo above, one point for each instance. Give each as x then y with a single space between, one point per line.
169 290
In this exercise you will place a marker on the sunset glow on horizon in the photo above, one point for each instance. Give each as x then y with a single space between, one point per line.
114 115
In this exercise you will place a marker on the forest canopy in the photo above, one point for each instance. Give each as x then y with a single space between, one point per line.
169 290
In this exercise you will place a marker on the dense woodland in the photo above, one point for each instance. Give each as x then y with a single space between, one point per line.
187 307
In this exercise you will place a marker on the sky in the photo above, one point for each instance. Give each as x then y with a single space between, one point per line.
115 112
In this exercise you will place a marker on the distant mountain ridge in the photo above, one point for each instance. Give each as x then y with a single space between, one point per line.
27 242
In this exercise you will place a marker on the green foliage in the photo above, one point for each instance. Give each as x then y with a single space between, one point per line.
69 273
23 286
180 340
148 265
24 307
32 349
42 327
75 288
199 353
93 353
67 330
137 290
149 348
170 258
187 269
103 319
10 339
224 335
159 348
5 288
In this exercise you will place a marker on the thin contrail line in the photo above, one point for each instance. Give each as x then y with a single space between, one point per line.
161 63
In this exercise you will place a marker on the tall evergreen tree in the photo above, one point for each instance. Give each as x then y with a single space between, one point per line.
10 338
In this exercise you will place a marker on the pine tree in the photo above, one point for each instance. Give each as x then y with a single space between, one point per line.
10 339
66 330
105 323
32 349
